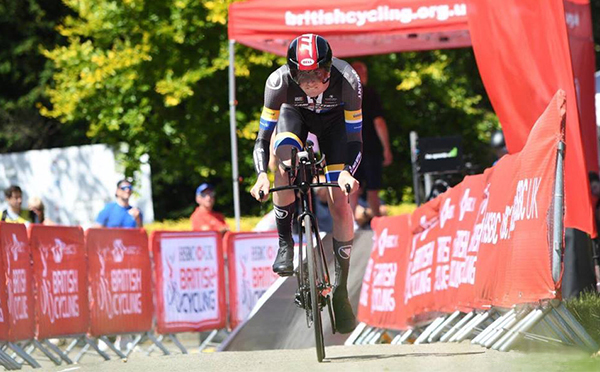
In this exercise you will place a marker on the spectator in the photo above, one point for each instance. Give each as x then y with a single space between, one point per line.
37 211
376 144
204 218
119 213
13 213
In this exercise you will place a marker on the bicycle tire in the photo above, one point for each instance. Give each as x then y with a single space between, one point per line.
314 292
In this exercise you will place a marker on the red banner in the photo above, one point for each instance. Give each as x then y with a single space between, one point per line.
485 242
190 278
120 281
381 296
16 294
251 256
60 276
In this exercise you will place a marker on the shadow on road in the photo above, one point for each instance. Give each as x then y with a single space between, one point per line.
351 358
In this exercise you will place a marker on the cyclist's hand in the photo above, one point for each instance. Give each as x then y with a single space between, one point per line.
345 178
262 184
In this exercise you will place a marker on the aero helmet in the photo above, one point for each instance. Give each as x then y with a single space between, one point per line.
309 56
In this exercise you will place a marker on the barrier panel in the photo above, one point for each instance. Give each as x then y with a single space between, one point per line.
60 277
120 280
16 295
485 242
190 278
251 256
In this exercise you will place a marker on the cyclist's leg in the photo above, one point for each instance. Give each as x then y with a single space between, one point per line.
333 144
290 132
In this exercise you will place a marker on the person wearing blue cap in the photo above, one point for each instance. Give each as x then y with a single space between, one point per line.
204 218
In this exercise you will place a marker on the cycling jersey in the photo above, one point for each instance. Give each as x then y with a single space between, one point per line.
329 115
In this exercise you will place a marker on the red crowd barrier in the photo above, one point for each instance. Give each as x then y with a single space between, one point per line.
485 242
120 281
60 276
251 256
190 278
16 295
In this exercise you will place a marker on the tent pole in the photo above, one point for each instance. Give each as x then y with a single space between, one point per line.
233 133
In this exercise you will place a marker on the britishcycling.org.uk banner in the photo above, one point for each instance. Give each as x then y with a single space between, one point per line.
251 256
120 280
190 277
381 26
16 288
60 275
485 242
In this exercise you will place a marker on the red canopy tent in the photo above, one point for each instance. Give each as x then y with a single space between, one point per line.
525 50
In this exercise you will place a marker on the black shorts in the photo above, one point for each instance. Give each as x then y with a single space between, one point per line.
330 128
369 172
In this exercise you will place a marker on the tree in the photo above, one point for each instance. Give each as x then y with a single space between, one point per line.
26 26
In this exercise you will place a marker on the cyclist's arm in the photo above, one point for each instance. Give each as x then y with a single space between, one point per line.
352 97
274 97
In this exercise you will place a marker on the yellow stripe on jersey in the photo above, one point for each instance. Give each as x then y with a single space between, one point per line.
288 138
334 168
269 114
353 116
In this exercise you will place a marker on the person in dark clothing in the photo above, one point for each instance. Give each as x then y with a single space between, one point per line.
377 152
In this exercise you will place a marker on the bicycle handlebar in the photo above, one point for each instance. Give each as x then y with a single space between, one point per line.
261 193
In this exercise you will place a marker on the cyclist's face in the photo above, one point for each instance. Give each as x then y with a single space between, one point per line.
312 82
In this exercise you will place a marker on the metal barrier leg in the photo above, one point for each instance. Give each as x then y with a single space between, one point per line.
208 339
58 351
367 331
71 345
466 331
158 343
560 324
516 328
354 335
94 345
434 335
136 341
446 336
497 333
177 343
153 346
26 357
538 314
430 328
46 352
492 327
8 362
577 328
405 336
112 347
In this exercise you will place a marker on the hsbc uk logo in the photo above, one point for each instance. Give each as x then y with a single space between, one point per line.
384 241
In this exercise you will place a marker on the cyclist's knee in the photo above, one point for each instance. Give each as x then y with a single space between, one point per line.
284 143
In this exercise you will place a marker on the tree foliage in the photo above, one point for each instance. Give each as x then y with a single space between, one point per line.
26 26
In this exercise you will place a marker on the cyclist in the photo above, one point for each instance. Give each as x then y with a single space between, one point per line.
321 94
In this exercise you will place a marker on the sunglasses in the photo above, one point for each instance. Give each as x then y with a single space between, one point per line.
124 188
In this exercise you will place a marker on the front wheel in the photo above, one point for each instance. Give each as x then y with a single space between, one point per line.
315 294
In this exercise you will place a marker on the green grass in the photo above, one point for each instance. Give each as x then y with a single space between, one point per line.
586 309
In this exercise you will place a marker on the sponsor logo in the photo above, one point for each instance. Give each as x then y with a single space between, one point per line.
280 213
307 62
447 212
385 241
15 247
467 204
344 252
443 155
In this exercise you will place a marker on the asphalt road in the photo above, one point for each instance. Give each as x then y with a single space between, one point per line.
461 357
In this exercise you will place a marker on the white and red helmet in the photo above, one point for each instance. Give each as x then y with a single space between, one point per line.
308 52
